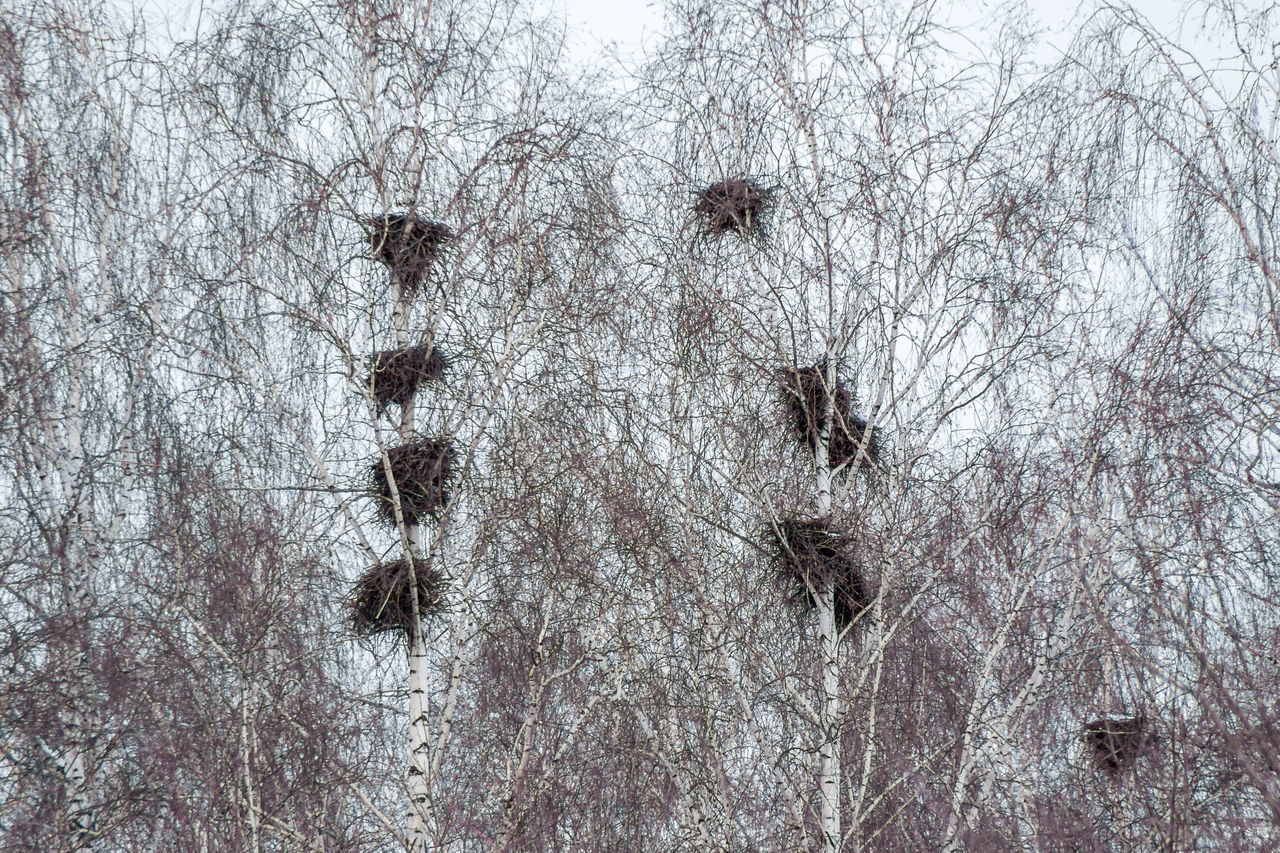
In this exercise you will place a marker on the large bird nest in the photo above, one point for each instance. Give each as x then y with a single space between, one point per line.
422 471
1116 743
811 556
732 207
396 374
383 598
806 396
406 244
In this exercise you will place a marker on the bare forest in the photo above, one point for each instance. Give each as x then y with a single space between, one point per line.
839 428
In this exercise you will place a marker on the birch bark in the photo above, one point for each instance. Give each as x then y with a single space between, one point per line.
419 743
829 748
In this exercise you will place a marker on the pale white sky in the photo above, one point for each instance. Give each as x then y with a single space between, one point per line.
595 24
596 27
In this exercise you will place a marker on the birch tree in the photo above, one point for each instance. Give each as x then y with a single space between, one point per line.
920 263
124 411
486 143
844 434
70 171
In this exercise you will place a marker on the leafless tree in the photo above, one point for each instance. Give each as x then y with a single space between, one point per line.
844 434
941 240
159 619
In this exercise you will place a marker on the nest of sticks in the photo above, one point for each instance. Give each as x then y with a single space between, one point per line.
396 374
383 598
810 556
806 397
422 471
407 245
732 207
1115 743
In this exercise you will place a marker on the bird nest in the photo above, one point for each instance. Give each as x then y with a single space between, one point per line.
409 246
422 471
1116 743
732 207
396 374
383 598
811 556
806 397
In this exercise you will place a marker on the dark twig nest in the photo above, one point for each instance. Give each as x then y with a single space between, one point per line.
409 246
383 599
397 374
1116 743
805 394
732 207
422 470
812 555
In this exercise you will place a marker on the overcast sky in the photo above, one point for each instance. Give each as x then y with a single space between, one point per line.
596 28
594 25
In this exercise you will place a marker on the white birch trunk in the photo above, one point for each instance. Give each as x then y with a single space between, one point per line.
77 759
419 822
829 748
419 744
